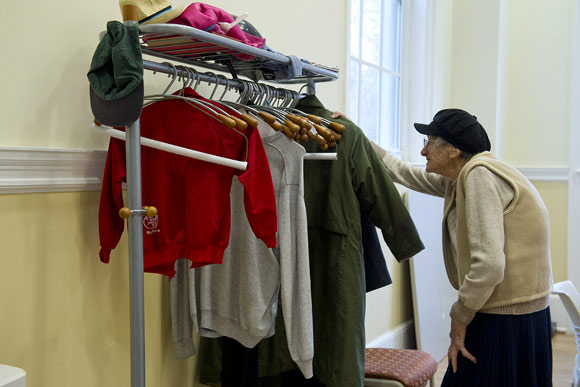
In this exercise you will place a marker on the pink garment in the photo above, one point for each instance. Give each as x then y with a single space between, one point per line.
205 17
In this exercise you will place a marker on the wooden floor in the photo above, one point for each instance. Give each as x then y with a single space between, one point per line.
563 351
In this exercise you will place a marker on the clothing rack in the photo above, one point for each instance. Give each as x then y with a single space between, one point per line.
214 52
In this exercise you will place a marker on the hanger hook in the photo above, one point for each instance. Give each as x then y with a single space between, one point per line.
217 83
194 76
184 74
184 77
251 92
261 90
243 92
259 94
268 95
288 97
189 77
209 73
295 99
275 96
284 98
198 81
265 94
279 101
172 79
227 86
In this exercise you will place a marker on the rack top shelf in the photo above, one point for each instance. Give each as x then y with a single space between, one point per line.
219 53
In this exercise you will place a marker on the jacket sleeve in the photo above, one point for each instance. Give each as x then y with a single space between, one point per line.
111 225
381 200
295 276
417 179
259 196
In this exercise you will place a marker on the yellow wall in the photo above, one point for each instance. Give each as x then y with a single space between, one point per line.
390 306
519 87
555 195
535 97
65 315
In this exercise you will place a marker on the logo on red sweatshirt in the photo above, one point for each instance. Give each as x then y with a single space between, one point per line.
151 224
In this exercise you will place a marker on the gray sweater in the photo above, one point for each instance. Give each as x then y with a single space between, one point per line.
239 298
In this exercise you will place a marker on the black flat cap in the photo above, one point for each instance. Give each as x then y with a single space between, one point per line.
459 128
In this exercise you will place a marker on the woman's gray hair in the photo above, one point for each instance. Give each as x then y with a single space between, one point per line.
440 141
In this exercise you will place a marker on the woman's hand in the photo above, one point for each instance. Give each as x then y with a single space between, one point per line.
339 115
457 345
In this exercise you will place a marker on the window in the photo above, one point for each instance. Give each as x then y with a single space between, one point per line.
374 75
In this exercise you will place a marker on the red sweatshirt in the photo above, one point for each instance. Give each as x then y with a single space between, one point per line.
192 196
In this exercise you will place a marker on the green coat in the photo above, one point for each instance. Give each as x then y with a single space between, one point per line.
335 192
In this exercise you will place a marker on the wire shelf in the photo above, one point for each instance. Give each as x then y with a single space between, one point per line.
221 53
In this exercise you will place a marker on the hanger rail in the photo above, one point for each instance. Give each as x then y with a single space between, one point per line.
321 156
174 149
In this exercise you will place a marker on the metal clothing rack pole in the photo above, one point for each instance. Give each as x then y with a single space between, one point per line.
136 271
135 230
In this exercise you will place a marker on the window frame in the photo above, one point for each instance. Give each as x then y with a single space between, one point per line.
382 71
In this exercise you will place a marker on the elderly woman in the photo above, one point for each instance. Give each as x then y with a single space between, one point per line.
496 252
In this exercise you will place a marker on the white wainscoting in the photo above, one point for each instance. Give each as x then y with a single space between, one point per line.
26 170
549 174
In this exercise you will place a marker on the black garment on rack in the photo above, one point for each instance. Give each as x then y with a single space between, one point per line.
292 378
376 271
239 364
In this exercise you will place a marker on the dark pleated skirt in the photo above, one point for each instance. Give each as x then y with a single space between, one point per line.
511 351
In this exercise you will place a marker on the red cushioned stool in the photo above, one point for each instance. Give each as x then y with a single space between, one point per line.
398 367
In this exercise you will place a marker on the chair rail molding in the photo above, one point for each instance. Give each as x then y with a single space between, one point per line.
549 174
28 170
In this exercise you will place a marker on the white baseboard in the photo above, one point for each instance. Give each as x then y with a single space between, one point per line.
401 336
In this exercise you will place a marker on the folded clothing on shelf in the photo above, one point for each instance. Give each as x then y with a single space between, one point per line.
207 18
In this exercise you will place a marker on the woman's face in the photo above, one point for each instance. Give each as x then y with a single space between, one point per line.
437 156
